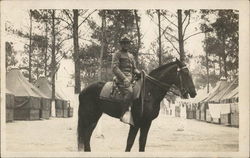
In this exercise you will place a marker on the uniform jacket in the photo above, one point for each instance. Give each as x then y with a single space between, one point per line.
123 65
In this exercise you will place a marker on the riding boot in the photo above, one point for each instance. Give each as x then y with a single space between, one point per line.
126 115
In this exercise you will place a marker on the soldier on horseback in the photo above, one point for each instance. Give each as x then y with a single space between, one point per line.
124 69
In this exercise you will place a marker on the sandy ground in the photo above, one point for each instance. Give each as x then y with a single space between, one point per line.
59 134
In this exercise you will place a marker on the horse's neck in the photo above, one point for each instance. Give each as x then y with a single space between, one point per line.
165 77
156 91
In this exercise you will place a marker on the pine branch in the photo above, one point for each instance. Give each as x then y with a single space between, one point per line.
169 21
171 44
164 30
87 17
66 13
23 68
61 30
59 44
64 21
83 12
88 40
192 35
62 56
145 53
184 19
171 36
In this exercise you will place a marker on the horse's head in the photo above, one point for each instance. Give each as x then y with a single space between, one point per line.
184 81
174 75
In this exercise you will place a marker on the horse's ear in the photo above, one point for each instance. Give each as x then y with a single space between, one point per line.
181 64
177 61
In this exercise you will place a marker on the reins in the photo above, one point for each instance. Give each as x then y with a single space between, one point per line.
160 84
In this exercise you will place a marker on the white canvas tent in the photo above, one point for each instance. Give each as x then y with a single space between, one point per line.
43 85
28 99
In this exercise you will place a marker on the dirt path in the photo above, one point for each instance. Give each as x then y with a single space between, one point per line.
59 134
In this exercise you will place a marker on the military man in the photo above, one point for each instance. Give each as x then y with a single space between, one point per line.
124 69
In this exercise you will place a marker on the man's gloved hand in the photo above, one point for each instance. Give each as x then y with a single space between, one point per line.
126 82
137 74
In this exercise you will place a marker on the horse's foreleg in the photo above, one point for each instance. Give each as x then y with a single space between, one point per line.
131 137
143 136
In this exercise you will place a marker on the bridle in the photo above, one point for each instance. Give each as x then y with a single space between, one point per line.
160 84
166 86
182 89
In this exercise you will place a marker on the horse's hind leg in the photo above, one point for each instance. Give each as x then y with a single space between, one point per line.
87 135
85 130
83 140
88 116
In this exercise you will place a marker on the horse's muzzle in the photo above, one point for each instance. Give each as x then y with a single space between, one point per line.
192 93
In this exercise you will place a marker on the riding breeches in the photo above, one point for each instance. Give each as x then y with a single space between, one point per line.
127 100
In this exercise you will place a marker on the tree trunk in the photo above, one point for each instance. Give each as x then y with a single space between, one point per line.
99 132
76 52
207 64
30 49
225 66
37 70
224 57
159 27
214 67
138 36
180 35
207 68
220 65
53 59
102 45
46 50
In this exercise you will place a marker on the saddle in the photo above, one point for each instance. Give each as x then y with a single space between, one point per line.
111 92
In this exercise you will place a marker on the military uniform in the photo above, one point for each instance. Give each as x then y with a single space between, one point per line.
124 68
123 65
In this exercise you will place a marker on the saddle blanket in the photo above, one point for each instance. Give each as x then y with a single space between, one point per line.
110 92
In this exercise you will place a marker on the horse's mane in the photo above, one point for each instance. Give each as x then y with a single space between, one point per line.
162 67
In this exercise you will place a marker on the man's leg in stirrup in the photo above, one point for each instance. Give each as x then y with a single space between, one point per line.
126 115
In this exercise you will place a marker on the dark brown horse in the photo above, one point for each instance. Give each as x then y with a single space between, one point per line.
145 109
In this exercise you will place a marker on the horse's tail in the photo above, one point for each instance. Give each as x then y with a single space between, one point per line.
80 129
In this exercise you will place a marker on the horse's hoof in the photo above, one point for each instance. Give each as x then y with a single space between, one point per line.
80 147
81 150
